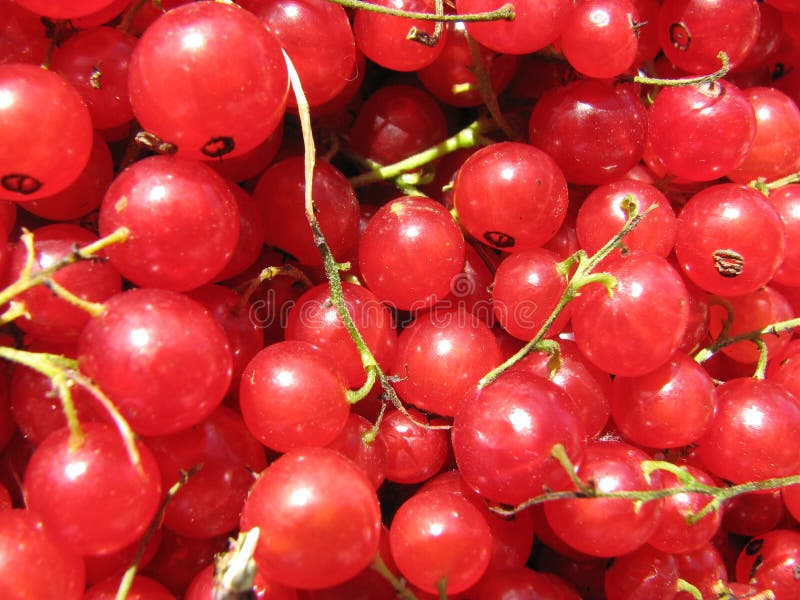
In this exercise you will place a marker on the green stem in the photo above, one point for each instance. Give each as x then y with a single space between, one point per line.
354 396
689 81
778 183
720 494
583 276
331 266
773 329
380 567
685 586
28 279
466 138
369 436
42 364
130 574
504 13
95 309
560 454
486 90
763 354
235 571
441 587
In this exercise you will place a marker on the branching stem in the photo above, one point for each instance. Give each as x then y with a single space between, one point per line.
772 329
583 276
332 267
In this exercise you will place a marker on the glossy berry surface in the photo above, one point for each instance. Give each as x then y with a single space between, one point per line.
623 333
410 252
730 239
159 356
194 200
510 196
91 497
42 114
312 501
292 396
203 40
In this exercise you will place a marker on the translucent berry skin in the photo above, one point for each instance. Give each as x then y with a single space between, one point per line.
643 573
384 38
92 497
535 25
279 197
202 215
210 503
565 121
503 435
410 252
747 438
607 526
527 286
84 194
396 122
45 133
640 325
426 352
730 240
770 562
453 67
95 62
701 133
322 516
693 32
786 201
292 395
511 196
669 407
28 551
602 214
589 386
64 10
317 36
315 320
776 146
599 39
50 317
221 116
24 37
674 533
160 357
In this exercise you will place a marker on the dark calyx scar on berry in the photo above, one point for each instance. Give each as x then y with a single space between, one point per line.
728 263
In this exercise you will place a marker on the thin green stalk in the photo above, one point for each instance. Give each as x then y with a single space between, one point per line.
778 183
28 279
583 276
485 89
42 364
466 138
685 586
332 267
504 13
719 494
380 567
772 329
130 574
689 81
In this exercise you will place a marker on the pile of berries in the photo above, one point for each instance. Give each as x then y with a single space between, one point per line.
534 314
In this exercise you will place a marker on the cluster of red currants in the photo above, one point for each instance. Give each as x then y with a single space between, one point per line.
475 367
